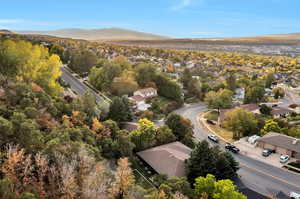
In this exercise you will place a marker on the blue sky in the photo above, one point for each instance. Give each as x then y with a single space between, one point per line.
175 18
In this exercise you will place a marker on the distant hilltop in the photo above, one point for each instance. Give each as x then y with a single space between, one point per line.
98 34
3 31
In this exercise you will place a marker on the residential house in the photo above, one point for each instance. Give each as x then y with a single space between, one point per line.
140 97
282 144
278 112
167 159
146 92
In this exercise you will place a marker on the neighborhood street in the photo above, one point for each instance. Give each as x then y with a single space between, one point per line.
261 177
76 85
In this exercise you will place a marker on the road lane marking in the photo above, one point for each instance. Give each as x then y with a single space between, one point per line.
267 174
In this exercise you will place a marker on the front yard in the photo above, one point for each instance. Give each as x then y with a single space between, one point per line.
225 134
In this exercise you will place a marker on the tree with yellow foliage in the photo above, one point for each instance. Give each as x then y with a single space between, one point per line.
30 63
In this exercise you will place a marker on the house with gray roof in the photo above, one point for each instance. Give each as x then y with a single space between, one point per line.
167 159
282 144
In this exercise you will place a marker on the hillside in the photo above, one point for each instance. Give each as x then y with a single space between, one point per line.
280 44
3 31
98 34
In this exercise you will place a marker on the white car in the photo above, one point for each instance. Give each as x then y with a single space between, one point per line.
294 195
253 139
284 158
213 138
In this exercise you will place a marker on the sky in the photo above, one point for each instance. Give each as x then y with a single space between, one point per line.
174 18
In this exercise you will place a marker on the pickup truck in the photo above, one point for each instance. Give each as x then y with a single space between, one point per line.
294 195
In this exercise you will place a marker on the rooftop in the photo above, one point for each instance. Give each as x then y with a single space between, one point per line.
167 159
282 141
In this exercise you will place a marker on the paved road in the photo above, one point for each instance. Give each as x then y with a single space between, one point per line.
254 174
259 176
76 85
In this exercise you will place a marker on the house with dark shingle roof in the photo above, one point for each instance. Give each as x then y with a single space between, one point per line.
282 144
278 112
167 159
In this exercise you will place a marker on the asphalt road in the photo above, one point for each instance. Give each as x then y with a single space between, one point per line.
254 174
76 85
259 176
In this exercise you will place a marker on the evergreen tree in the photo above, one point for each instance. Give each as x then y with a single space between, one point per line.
201 162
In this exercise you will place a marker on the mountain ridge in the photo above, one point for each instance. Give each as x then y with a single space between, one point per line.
97 34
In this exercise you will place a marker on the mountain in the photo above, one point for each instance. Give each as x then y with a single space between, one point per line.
4 31
98 34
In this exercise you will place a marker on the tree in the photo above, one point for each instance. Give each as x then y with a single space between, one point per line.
205 185
264 109
232 162
58 50
125 84
124 183
231 82
31 63
123 62
102 78
205 160
270 126
164 135
222 189
168 88
144 136
124 144
219 99
186 77
254 93
278 92
145 73
181 127
82 61
241 122
269 80
120 110
201 162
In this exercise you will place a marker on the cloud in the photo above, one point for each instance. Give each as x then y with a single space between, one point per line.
182 4
10 21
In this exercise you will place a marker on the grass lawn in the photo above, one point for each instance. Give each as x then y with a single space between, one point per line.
227 135
213 115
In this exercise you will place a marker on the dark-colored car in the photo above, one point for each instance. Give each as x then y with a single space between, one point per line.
232 148
211 122
267 152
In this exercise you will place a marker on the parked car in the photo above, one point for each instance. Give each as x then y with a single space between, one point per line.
253 139
232 148
213 138
211 122
294 195
284 158
267 152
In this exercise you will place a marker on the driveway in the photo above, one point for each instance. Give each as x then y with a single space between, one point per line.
254 152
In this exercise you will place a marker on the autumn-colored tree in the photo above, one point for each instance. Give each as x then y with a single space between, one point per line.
124 180
241 122
32 63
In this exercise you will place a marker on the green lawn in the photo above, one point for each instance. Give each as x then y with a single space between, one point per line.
213 115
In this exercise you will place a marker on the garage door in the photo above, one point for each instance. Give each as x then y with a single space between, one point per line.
269 146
